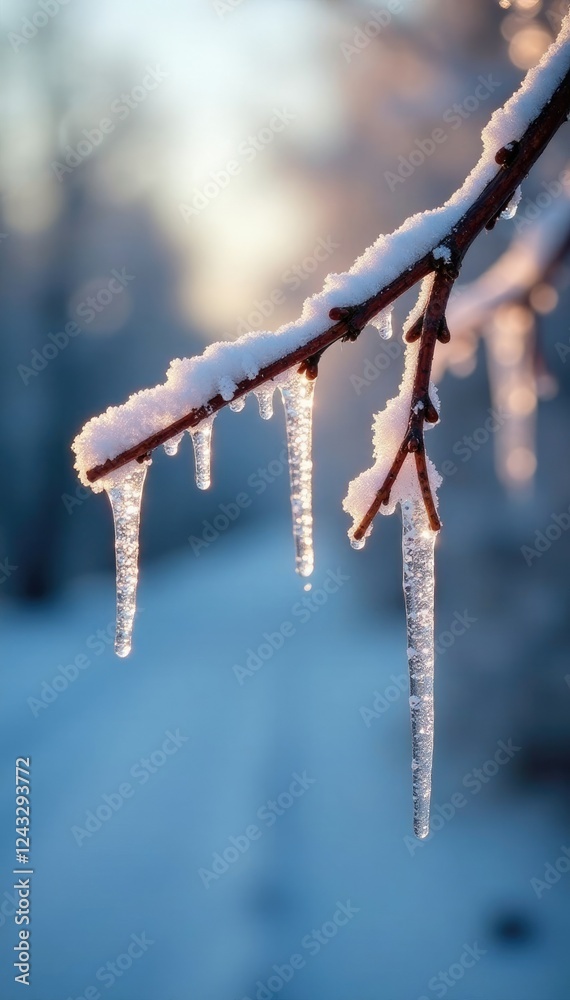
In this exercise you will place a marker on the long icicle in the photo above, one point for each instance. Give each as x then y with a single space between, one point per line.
418 541
510 339
297 393
125 496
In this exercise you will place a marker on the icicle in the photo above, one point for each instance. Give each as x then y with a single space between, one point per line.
202 441
264 396
383 323
297 393
418 555
171 447
511 210
237 405
125 496
510 349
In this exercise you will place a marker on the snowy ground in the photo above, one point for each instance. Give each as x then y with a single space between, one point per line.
342 839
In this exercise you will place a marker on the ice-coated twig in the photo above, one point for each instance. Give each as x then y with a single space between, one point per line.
429 248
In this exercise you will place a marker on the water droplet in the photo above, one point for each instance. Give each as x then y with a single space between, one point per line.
359 543
511 210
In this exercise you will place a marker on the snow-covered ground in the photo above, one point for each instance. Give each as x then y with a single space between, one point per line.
293 732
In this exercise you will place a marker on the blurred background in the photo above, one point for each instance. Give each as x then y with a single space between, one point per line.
119 125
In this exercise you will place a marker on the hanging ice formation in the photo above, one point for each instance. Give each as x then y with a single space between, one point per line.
264 396
125 495
510 210
238 404
171 447
297 393
510 349
202 442
418 542
383 323
126 487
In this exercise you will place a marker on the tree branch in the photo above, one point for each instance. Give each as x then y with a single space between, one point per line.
421 406
514 162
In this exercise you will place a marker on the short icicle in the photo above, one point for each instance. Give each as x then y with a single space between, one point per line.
297 393
418 555
510 210
171 447
237 405
264 395
202 442
125 495
383 323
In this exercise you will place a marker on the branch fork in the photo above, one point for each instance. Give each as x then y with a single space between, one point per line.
428 329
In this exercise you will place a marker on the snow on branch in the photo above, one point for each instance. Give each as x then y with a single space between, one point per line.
197 388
